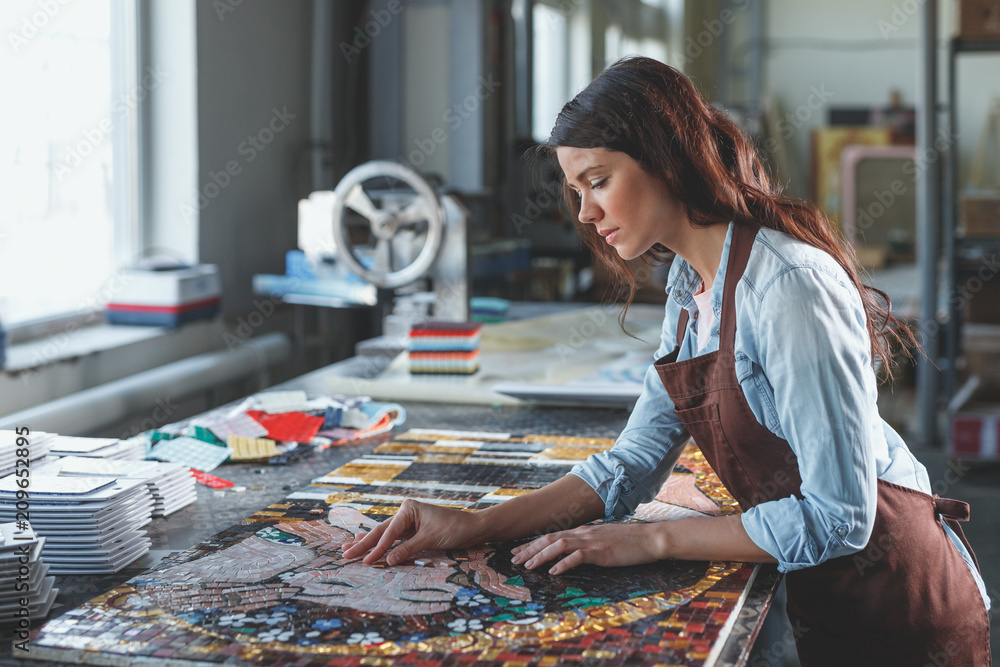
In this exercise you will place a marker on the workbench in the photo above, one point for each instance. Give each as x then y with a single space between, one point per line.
218 510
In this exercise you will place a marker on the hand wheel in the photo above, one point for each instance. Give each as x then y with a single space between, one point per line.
397 209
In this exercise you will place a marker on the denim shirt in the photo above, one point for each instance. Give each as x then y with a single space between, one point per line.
804 364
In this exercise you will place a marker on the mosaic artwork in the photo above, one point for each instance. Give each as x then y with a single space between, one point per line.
275 589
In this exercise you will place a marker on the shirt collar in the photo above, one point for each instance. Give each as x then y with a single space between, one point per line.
688 281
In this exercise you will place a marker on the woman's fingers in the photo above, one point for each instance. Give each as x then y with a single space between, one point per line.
523 552
578 557
550 547
606 545
547 548
378 540
419 526
405 525
363 543
397 528
526 552
406 550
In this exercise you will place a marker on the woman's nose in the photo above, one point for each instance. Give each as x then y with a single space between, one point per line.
589 211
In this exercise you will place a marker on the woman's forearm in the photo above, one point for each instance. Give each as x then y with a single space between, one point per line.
710 538
618 545
563 504
569 502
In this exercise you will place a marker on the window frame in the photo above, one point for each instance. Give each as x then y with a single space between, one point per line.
129 58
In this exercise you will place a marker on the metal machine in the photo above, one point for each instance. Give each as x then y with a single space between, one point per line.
392 228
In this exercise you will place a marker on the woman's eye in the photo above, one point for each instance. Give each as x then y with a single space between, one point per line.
427 589
598 184
425 595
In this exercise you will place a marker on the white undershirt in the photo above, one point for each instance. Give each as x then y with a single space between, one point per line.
706 317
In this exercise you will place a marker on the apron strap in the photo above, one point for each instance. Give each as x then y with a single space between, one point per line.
951 512
951 509
740 245
739 255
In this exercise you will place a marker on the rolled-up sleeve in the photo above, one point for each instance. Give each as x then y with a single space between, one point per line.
814 352
633 471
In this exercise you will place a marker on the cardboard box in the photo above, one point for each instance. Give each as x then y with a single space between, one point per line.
974 434
167 298
977 19
981 344
177 287
879 203
979 214
983 305
975 423
828 144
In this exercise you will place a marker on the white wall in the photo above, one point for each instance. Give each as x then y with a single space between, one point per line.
879 53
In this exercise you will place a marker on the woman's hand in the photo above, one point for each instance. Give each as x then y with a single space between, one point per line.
695 538
422 527
609 545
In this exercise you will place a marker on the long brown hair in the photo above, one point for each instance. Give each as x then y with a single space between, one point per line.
654 114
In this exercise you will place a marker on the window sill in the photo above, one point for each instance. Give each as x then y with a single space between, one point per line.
43 369
60 347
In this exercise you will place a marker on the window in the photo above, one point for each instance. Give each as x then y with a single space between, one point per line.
68 154
549 75
562 59
641 28
564 51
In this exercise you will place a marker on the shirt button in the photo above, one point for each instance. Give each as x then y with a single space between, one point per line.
842 531
718 332
678 294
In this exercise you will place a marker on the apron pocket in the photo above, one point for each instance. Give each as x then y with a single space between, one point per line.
705 426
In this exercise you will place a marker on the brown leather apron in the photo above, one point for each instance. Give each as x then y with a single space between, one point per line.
908 598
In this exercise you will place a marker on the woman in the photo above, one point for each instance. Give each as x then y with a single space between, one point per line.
767 361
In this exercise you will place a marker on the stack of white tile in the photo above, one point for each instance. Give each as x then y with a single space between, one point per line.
133 449
171 484
16 447
23 575
92 525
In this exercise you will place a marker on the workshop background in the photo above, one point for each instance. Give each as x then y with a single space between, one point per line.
152 133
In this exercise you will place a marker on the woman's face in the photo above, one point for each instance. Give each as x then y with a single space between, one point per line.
403 589
628 207
307 556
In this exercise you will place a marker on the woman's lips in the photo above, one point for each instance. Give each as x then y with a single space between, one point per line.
610 236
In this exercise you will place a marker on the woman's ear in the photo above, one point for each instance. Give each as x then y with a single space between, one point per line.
350 519
316 533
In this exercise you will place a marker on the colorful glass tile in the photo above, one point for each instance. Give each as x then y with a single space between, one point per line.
275 588
288 426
